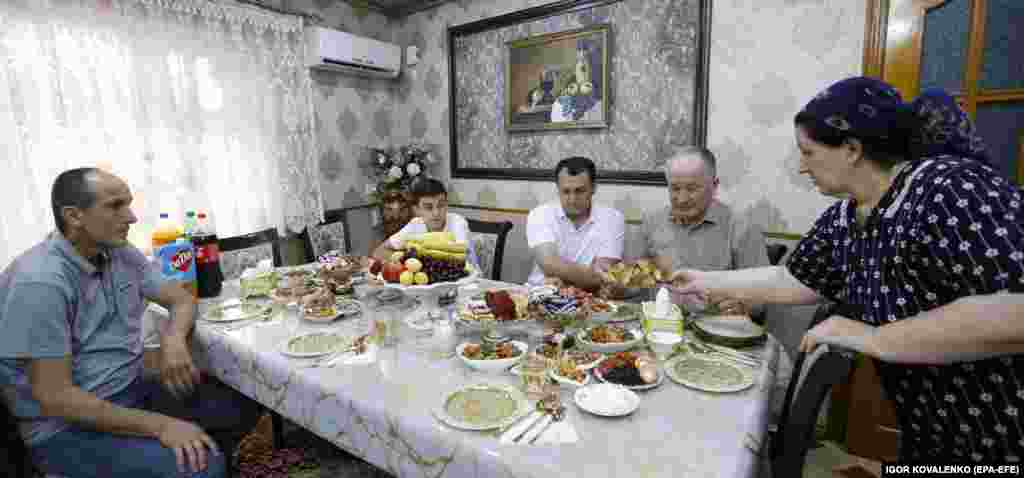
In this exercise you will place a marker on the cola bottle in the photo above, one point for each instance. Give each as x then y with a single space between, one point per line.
207 251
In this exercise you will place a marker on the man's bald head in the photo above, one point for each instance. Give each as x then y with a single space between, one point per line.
692 184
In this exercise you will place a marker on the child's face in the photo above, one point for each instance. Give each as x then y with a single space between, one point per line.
433 210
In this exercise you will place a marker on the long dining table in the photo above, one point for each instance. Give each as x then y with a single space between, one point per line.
379 406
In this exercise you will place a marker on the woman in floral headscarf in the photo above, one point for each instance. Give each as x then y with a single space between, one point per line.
924 254
945 128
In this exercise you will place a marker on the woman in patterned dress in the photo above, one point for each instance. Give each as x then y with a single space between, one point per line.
923 250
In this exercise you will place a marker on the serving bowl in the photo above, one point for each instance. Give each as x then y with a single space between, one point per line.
492 365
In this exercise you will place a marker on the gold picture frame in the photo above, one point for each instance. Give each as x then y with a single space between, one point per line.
558 80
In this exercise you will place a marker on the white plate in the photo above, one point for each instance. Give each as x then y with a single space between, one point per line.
521 403
730 327
342 343
566 381
606 400
740 379
581 338
473 275
649 386
231 311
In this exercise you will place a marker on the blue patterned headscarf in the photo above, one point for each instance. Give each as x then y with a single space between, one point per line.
862 107
945 128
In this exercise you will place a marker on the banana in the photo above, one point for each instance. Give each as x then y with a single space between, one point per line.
456 247
440 237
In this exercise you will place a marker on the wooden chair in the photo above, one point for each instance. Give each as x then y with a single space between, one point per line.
776 252
490 259
239 258
331 234
814 375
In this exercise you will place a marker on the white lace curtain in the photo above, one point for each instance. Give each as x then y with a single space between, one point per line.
196 104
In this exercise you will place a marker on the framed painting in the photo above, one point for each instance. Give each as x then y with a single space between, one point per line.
558 80
623 83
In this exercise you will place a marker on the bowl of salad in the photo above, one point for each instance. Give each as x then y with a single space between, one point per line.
491 358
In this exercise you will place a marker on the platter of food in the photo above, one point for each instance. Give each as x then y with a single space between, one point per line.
315 344
331 310
709 375
491 357
568 373
630 279
495 305
729 330
629 370
482 407
609 338
606 400
234 310
584 360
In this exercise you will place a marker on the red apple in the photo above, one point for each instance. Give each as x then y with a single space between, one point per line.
375 266
391 271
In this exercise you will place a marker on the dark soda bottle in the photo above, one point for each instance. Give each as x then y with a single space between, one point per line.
208 272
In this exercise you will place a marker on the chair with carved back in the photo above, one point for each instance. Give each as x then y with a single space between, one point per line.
488 241
239 253
329 235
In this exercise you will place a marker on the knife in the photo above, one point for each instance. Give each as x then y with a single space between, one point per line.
544 428
530 427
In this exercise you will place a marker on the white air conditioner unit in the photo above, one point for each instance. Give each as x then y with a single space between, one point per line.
334 50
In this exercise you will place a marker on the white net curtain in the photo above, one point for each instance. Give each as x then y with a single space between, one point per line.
197 104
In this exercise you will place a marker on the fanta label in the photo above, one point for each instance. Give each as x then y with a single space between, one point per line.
177 262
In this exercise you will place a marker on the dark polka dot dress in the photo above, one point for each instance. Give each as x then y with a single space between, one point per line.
947 228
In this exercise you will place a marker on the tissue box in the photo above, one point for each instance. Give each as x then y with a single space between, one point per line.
676 323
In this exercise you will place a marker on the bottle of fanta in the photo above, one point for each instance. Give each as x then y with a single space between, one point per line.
175 255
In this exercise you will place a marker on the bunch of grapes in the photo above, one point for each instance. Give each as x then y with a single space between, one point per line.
439 270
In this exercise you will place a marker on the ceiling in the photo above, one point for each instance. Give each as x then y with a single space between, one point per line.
400 8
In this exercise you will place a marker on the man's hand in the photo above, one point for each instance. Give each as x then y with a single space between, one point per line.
189 443
689 287
728 305
177 372
842 332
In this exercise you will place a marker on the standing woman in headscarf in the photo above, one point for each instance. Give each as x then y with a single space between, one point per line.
924 256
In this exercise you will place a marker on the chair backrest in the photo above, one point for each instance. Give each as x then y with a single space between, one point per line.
331 234
500 231
247 241
776 252
813 376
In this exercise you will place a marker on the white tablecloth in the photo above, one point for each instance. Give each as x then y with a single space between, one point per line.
381 411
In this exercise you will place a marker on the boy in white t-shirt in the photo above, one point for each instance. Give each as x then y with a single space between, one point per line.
430 208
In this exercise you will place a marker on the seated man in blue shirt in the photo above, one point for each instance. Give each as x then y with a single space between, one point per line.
71 351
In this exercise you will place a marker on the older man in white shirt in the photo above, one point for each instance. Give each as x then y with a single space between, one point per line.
573 239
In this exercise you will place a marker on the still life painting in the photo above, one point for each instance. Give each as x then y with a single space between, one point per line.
558 80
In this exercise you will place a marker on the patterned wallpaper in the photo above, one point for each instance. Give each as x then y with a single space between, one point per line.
352 113
767 59
652 52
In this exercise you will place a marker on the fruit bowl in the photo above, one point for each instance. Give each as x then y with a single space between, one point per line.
436 288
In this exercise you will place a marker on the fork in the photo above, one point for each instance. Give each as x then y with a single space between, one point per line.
703 349
556 416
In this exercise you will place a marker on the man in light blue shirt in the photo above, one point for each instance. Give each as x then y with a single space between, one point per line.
71 350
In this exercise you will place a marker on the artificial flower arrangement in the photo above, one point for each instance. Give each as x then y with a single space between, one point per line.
395 169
